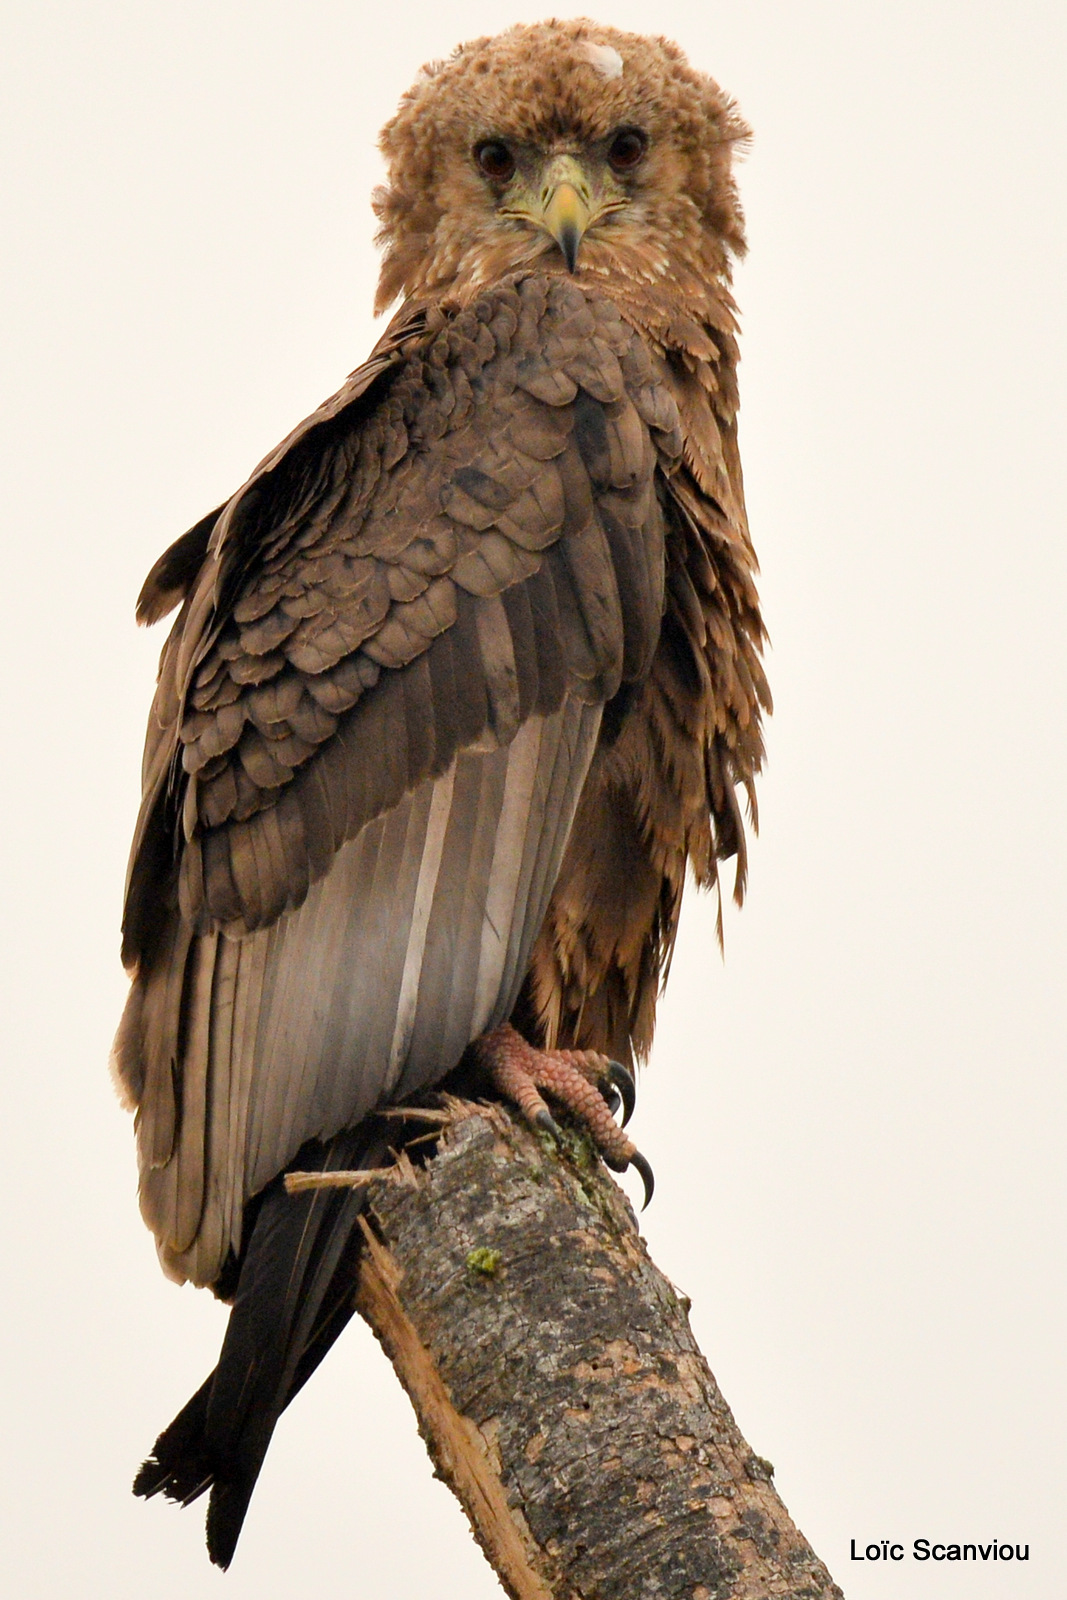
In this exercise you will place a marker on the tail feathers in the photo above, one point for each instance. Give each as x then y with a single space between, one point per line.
294 1296
180 1466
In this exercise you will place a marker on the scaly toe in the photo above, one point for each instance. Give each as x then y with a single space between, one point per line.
577 1079
613 1080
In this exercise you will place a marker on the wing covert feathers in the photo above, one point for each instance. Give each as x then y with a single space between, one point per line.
526 424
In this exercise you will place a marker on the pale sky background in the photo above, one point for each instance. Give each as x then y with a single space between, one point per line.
856 1120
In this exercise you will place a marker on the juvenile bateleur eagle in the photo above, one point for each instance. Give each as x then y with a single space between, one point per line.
464 678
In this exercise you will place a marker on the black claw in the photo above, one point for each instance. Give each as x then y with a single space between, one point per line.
611 1097
624 1083
547 1122
637 1160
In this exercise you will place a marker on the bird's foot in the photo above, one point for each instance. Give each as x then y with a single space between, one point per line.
583 1080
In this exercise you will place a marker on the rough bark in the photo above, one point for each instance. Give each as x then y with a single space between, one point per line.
557 1383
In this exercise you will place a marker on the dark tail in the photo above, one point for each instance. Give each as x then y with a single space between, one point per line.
294 1295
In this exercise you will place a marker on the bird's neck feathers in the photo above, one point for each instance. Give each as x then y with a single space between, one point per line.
668 276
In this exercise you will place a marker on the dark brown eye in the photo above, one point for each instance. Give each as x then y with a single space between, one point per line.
495 159
626 149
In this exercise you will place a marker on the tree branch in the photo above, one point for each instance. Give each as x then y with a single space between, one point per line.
557 1383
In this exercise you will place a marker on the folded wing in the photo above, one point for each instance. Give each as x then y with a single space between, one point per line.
374 720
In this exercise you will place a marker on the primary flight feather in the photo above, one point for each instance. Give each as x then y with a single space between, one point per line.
465 677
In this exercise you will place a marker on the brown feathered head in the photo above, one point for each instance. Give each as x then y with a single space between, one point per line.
564 144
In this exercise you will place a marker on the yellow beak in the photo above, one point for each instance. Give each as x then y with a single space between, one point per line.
565 209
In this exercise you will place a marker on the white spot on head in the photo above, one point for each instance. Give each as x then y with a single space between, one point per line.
602 58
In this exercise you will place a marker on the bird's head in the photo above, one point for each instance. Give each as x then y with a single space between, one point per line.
562 145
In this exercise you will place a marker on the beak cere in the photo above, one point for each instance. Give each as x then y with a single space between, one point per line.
566 217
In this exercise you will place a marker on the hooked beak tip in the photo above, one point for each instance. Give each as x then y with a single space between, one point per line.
566 217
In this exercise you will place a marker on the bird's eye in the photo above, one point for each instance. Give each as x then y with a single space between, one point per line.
626 149
495 159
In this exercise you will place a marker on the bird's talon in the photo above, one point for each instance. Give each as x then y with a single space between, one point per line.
582 1080
611 1097
624 1083
548 1124
647 1177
